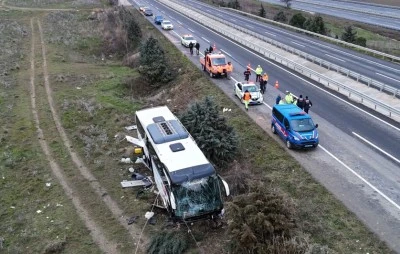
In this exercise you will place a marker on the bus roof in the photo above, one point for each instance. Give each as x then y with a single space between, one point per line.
174 146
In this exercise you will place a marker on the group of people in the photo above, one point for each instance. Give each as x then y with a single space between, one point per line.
196 46
303 103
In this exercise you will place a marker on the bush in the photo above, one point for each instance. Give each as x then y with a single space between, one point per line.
153 65
234 4
261 12
361 41
213 135
297 20
259 220
280 17
168 243
349 34
316 25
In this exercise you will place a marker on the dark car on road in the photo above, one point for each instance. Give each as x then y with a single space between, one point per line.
148 12
158 19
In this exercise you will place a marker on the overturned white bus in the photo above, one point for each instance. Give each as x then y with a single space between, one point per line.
187 182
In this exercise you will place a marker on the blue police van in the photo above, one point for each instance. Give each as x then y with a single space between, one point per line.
294 126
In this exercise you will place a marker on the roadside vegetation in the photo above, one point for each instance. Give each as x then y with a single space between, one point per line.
374 37
100 66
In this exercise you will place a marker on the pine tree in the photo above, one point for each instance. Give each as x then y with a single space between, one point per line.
349 34
209 128
297 20
132 28
280 17
262 12
153 65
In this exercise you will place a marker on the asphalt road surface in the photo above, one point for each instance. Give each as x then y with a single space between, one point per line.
387 73
352 11
358 158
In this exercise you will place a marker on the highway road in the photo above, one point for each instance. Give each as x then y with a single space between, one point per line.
366 180
383 71
351 11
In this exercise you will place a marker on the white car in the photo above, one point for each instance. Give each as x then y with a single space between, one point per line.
167 25
186 39
256 95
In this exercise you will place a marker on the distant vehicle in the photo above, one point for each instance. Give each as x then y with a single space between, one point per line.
142 8
187 183
256 95
186 39
294 126
167 25
215 64
148 12
158 19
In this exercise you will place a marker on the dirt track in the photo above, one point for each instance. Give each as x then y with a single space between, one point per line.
97 233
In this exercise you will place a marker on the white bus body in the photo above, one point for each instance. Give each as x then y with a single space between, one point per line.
186 180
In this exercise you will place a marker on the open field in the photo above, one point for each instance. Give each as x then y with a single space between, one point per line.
82 101
386 2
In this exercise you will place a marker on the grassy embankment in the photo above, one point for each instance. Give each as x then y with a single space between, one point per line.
96 101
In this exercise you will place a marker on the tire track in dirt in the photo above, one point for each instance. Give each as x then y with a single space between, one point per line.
95 231
85 172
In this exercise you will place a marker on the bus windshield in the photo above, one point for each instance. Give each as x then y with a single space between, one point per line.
197 197
305 124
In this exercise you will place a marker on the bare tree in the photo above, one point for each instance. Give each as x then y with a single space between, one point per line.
288 3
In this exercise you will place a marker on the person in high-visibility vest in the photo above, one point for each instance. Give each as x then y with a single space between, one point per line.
259 71
246 99
229 70
288 98
263 86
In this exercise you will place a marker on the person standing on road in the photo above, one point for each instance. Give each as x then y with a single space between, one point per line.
229 70
307 104
191 47
265 81
300 102
210 49
259 71
278 99
288 98
197 46
246 99
247 74
262 85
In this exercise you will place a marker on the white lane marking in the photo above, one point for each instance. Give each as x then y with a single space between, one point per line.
179 22
301 45
335 58
297 76
323 148
190 30
233 20
377 148
361 178
387 77
270 34
226 52
205 39
249 26
176 33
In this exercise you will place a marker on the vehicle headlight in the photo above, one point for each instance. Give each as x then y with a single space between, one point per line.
296 138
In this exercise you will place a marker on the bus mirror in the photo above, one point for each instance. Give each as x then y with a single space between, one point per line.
316 126
172 198
138 150
226 186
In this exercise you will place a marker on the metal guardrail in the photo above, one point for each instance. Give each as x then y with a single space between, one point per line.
330 66
203 19
374 52
353 10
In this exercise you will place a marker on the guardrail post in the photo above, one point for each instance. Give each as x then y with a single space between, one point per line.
329 67
358 77
337 70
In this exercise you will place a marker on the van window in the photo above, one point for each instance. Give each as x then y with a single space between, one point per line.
277 114
286 124
305 124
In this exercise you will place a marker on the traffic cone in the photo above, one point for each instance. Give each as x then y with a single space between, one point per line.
276 84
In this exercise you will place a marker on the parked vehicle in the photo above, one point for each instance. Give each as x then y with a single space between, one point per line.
215 64
186 39
256 95
294 126
187 182
167 25
158 19
148 12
